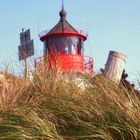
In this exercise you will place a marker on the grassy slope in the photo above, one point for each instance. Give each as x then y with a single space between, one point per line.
51 108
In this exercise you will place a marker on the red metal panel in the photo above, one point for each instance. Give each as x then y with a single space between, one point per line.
69 62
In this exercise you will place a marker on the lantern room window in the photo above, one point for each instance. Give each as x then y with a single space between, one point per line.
63 45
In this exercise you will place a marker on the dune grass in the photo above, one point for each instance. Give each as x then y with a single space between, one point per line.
50 107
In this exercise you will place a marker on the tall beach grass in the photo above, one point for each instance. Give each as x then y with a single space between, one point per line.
50 107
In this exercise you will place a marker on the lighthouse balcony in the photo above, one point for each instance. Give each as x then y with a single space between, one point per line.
67 62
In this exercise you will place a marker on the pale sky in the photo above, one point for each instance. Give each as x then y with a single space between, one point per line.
111 24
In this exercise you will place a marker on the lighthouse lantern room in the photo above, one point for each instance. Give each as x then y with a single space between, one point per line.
66 44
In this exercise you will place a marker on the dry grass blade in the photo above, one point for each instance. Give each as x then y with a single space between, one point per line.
54 108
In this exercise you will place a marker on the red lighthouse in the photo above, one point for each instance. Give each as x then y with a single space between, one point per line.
66 44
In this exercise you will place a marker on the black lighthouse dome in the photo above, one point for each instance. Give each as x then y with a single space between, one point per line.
63 14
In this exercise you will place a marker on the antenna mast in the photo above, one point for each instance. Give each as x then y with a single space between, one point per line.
62 4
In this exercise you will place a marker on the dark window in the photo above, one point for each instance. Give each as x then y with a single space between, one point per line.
63 45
